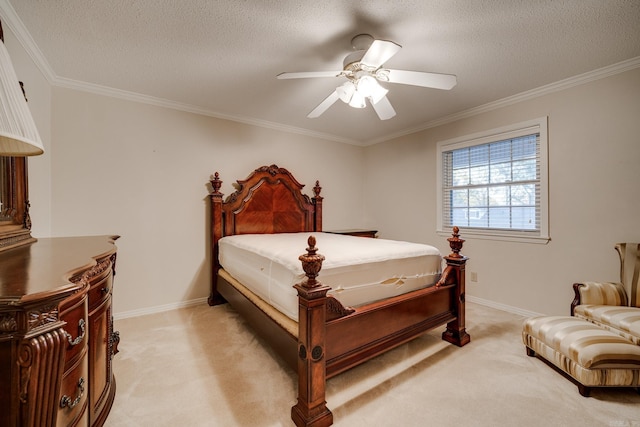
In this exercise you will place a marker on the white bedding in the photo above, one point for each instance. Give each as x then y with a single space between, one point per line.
358 269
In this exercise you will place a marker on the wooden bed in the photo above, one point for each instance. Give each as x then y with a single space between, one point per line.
330 338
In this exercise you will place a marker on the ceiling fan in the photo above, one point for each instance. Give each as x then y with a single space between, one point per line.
363 70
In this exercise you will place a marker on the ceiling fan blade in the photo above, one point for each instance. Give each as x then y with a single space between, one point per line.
308 74
418 78
324 105
384 109
380 52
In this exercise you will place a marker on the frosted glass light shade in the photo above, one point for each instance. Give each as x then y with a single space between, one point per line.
369 87
18 133
345 91
357 100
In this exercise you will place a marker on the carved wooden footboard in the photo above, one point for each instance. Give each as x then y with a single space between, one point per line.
330 338
327 347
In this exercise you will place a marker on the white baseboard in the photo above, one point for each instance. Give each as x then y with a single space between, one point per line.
503 307
159 308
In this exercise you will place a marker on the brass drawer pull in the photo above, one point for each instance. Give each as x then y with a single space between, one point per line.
105 290
80 337
66 400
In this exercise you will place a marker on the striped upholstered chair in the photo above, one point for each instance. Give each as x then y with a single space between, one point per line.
614 306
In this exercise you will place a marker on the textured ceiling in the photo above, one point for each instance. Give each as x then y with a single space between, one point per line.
221 57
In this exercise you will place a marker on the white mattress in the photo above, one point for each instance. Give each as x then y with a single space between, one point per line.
359 270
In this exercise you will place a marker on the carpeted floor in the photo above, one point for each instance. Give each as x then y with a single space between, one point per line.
202 366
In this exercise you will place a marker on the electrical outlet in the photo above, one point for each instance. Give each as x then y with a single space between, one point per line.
474 276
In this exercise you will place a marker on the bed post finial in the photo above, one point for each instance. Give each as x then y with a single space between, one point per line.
455 242
311 264
216 183
317 201
311 409
317 189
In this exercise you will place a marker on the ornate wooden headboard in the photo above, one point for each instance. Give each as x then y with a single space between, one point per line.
269 201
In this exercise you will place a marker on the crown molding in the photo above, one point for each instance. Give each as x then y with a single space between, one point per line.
14 23
189 108
580 79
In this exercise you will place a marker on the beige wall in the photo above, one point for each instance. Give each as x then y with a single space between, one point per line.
594 195
142 171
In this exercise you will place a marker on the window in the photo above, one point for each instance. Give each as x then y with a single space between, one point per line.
494 184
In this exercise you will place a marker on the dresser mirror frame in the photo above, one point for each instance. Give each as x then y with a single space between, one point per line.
15 221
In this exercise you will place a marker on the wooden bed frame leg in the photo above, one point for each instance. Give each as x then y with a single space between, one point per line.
311 409
456 332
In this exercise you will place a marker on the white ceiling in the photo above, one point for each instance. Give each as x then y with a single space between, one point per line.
221 57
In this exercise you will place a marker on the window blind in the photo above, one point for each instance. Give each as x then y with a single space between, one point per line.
493 185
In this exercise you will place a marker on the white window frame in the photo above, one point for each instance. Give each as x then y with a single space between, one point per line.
529 127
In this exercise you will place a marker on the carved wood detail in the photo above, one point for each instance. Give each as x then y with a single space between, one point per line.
335 309
40 357
8 324
42 316
86 277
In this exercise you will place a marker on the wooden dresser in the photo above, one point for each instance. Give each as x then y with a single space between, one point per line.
56 332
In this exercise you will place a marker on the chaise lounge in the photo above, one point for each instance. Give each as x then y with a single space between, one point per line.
599 344
614 306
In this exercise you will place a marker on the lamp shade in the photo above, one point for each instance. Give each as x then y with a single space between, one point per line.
18 133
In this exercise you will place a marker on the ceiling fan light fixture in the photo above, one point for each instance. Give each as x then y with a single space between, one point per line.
369 87
363 69
357 100
346 91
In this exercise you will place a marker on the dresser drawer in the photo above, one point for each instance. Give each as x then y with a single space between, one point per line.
74 394
73 311
100 290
